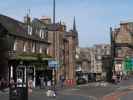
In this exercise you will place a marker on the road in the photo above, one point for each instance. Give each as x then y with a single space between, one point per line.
41 95
93 91
124 91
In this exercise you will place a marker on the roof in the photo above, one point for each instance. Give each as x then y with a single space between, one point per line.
49 27
17 28
53 27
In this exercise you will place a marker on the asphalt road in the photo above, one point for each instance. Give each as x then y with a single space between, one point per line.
39 95
129 96
85 92
43 97
59 97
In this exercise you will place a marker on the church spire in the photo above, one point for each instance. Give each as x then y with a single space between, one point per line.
74 25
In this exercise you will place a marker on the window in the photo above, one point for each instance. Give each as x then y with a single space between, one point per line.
47 51
24 47
40 50
33 47
45 34
15 46
41 34
119 52
29 30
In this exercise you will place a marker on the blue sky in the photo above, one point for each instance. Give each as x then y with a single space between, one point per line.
93 17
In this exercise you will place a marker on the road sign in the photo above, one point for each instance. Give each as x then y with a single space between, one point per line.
53 63
128 64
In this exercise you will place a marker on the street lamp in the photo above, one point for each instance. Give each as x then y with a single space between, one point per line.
112 38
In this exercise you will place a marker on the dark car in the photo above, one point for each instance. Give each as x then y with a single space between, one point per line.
81 81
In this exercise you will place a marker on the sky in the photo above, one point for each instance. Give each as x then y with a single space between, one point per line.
93 17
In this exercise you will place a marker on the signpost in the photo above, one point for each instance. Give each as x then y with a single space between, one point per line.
54 65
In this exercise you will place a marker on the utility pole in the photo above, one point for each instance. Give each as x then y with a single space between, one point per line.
54 53
112 54
54 50
53 11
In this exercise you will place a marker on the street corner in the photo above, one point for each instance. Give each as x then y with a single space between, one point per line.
115 95
130 87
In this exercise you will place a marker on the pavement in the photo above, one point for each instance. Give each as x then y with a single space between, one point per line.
128 96
123 92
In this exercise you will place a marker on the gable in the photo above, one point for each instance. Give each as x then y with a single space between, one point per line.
124 37
3 31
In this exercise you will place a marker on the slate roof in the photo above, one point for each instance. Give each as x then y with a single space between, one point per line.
49 27
17 28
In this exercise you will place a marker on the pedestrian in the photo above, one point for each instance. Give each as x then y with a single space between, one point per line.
62 79
41 82
2 83
49 83
46 80
121 76
114 79
30 86
118 77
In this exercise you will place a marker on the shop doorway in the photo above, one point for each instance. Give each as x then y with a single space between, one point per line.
45 74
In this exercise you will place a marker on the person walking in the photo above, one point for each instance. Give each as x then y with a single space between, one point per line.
62 79
41 82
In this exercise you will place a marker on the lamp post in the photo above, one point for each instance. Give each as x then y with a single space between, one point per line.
112 68
54 49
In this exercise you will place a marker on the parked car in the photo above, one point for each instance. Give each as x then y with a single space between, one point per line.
81 81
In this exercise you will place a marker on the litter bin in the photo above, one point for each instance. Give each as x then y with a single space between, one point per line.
22 93
13 94
18 93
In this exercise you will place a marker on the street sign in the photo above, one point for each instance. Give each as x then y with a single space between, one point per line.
53 63
128 63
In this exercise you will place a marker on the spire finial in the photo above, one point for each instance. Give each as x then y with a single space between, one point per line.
74 24
53 11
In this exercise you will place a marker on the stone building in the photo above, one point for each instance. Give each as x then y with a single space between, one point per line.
33 43
100 51
26 43
95 62
83 68
73 44
63 47
122 48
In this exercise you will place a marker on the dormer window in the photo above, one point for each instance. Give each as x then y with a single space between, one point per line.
29 30
40 33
